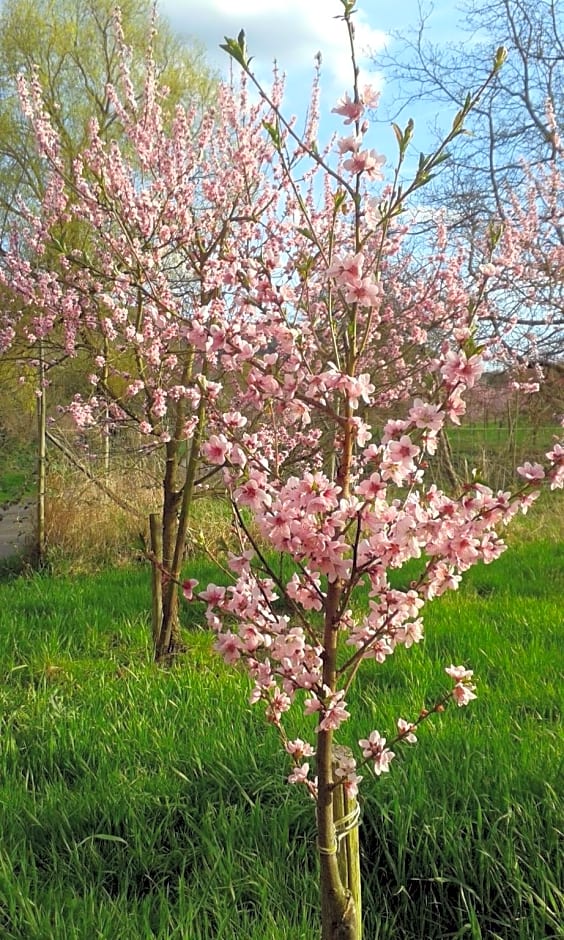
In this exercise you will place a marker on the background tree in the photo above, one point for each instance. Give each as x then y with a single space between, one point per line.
71 46
72 49
132 264
515 128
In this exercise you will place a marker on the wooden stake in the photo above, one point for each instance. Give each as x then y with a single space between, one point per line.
346 813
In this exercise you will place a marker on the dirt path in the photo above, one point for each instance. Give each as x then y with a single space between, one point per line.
16 526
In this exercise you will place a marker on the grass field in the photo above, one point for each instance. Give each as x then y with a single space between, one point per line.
137 803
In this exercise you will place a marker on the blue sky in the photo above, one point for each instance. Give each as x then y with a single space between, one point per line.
292 31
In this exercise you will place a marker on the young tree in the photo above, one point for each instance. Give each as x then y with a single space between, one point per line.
348 337
252 288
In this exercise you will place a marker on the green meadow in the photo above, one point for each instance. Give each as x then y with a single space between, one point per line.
138 802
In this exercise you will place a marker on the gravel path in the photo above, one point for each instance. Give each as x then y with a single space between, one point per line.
16 526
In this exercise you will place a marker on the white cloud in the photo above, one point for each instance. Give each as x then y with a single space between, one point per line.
290 31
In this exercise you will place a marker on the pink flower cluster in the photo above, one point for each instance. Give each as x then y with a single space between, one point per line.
463 692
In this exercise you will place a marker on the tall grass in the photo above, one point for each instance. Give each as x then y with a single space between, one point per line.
141 803
493 450
86 528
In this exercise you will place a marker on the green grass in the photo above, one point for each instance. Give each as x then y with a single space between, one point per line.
138 803
494 450
17 468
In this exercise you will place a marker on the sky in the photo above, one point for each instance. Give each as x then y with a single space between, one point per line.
293 31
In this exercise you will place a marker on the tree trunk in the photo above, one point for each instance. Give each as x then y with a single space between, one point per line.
166 631
444 458
177 504
156 545
340 918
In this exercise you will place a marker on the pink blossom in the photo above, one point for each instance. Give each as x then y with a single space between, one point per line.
410 633
229 646
334 712
345 772
372 488
457 368
406 731
134 388
252 493
531 471
463 691
369 96
350 784
402 451
488 270
463 694
348 268
459 673
349 144
362 431
306 593
216 449
363 291
212 595
556 455
556 477
349 109
426 415
279 703
299 749
188 588
158 407
368 162
374 748
455 408
299 774
311 705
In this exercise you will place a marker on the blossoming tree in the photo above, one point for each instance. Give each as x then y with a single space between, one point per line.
350 338
163 224
247 296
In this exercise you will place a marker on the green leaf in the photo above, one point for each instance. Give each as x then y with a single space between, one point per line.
101 837
399 134
403 137
500 57
441 158
339 198
273 132
458 122
423 161
237 49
